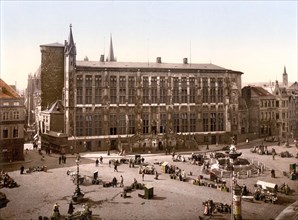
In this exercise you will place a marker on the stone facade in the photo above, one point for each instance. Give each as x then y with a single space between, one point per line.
51 73
148 106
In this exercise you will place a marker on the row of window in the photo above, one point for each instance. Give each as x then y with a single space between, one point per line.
91 124
8 103
183 90
7 116
274 103
10 132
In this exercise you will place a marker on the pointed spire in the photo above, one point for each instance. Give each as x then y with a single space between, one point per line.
285 71
285 77
70 47
70 38
111 57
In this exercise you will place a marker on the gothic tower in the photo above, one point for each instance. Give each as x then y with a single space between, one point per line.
285 77
51 73
70 53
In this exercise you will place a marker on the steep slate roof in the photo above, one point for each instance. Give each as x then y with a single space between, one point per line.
97 64
294 86
260 91
6 91
57 107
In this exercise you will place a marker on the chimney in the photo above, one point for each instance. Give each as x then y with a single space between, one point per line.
102 58
184 60
158 59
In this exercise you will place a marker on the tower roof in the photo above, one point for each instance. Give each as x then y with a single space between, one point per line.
70 45
285 71
111 57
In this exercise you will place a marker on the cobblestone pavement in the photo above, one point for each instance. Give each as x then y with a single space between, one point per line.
173 199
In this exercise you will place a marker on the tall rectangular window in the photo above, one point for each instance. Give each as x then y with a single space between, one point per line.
79 123
145 90
131 89
88 123
88 90
145 118
184 122
205 122
154 90
205 90
175 90
212 121
219 90
113 89
163 122
98 90
5 132
192 122
220 121
88 96
5 116
97 124
184 90
131 124
176 127
113 124
212 91
122 90
16 115
192 90
162 91
79 82
15 133
122 124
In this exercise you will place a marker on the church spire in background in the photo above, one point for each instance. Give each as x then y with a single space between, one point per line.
70 47
285 77
111 57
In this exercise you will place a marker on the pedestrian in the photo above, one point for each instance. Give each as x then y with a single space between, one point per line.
110 163
156 175
114 182
115 167
101 159
60 159
70 208
143 175
22 169
64 158
96 162
56 212
121 182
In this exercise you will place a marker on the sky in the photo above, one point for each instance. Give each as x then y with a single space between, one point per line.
257 38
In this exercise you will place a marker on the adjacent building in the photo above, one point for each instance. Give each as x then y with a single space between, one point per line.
262 108
51 74
53 138
12 120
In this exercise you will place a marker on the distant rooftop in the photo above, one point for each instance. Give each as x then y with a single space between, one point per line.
53 45
261 91
7 91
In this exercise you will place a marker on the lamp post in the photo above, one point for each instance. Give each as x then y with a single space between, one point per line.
78 194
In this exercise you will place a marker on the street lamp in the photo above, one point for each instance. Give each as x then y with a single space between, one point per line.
78 194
